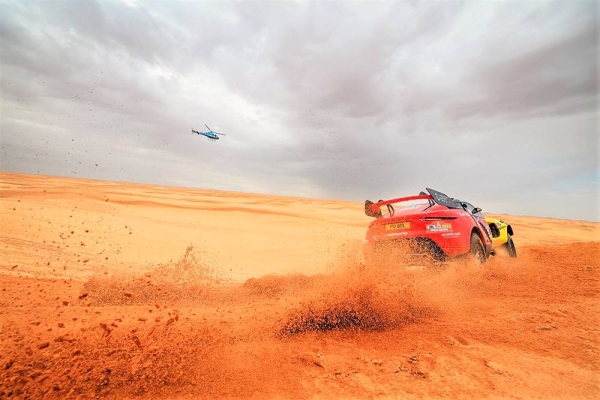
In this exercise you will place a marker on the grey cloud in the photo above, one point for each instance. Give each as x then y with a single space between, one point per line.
116 27
549 80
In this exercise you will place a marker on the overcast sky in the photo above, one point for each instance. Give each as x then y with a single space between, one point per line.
492 102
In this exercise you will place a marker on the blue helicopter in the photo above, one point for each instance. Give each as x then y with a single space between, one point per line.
211 135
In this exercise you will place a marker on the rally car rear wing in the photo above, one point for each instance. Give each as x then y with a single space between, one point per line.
374 209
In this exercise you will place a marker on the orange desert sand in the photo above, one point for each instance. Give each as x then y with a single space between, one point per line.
119 290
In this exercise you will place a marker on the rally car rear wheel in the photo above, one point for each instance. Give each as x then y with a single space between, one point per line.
510 246
477 249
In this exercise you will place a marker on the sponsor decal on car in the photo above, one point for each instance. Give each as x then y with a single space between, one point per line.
397 226
439 227
451 234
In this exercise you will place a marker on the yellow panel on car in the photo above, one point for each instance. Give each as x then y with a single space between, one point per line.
397 226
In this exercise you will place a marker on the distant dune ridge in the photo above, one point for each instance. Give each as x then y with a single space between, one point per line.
132 291
136 225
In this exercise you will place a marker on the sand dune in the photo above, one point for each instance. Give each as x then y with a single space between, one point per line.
121 290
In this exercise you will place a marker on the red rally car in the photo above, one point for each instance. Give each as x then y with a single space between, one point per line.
430 224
